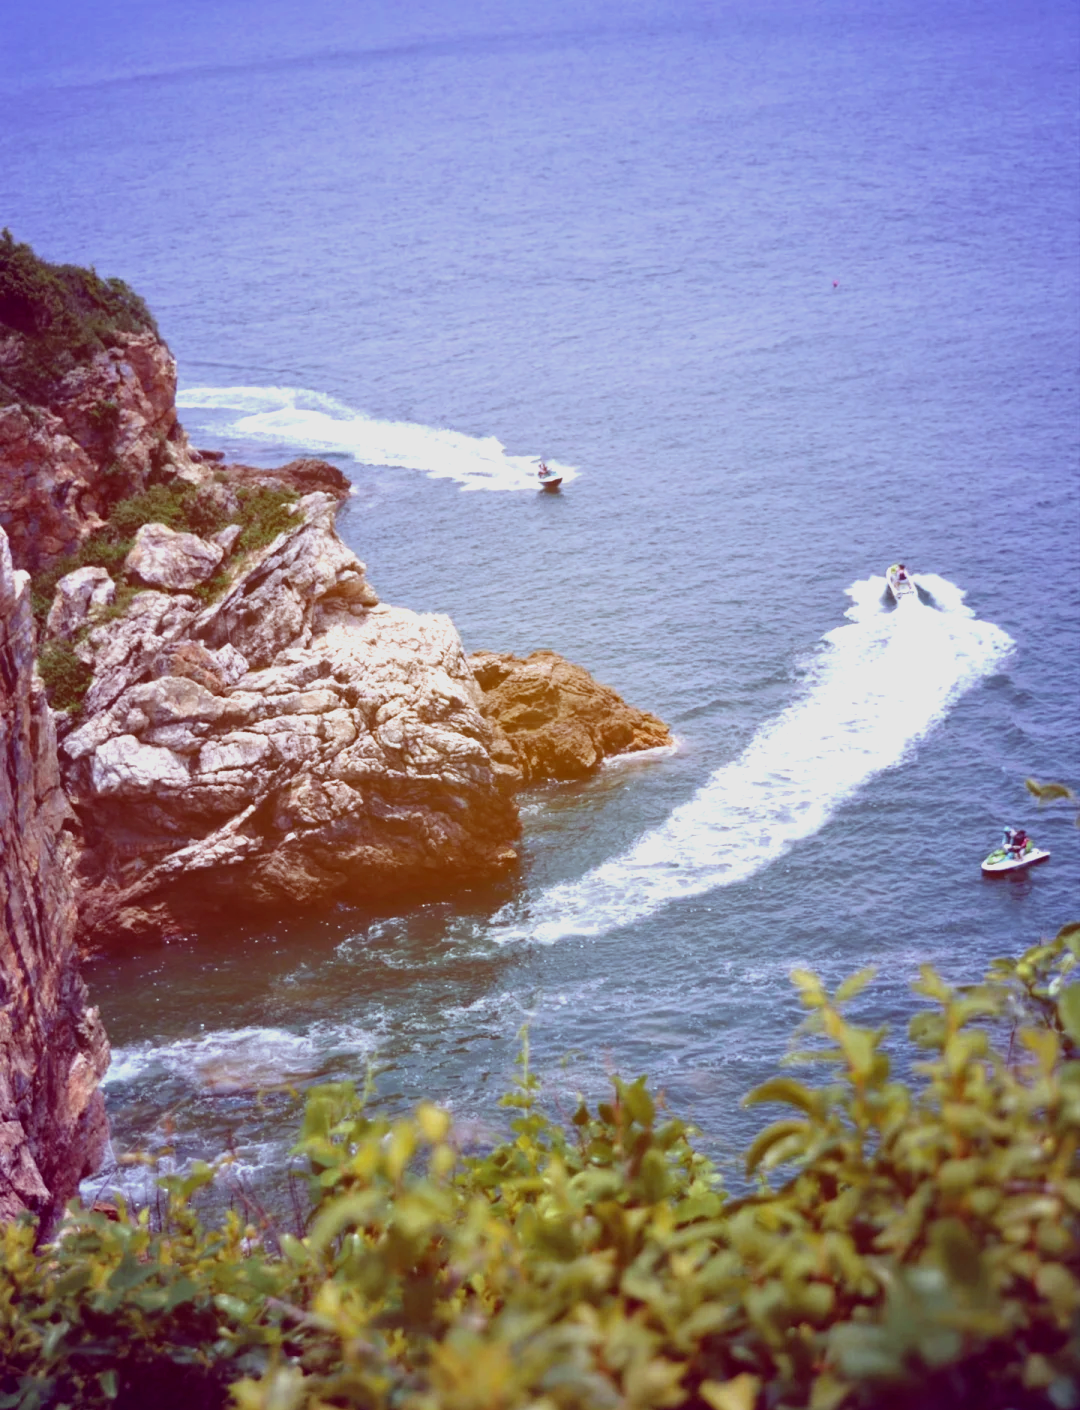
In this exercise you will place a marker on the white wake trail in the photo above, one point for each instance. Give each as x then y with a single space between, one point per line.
291 416
877 686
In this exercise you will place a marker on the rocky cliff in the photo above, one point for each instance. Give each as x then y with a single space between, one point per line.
53 1050
293 743
87 403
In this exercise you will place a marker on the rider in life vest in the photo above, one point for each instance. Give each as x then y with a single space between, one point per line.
1015 841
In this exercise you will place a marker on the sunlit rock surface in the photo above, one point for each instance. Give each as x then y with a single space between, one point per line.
76 595
553 720
162 558
294 743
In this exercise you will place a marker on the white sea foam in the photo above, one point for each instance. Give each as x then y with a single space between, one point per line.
290 416
874 689
641 756
239 1059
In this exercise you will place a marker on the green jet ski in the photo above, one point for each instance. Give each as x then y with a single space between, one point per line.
1017 851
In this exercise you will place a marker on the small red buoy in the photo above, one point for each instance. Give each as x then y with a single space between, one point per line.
836 283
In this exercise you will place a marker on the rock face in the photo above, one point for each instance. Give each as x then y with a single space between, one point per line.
53 1050
305 476
76 594
162 558
108 426
293 743
553 720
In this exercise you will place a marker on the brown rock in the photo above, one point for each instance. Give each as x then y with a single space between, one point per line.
191 660
306 476
556 720
53 1049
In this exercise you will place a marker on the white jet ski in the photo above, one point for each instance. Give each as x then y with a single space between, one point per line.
901 584
1010 859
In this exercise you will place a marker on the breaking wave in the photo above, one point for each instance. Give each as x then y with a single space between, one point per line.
290 416
239 1059
875 688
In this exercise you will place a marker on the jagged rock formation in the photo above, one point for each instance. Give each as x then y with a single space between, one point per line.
108 426
553 720
76 595
293 743
53 1050
177 562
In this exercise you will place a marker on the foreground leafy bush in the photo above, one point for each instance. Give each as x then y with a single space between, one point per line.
904 1244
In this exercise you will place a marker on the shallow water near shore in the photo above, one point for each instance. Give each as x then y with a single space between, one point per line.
789 294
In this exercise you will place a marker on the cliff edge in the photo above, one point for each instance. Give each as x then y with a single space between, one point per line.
53 1049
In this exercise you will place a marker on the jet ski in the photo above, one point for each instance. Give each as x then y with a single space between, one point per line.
901 584
550 480
1016 853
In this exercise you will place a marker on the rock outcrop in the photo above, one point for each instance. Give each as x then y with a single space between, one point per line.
106 428
294 743
552 720
162 558
53 1050
77 594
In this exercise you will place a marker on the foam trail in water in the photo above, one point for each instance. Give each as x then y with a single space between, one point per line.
238 1058
877 686
290 416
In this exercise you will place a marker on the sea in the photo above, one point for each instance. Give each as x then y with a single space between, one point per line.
789 290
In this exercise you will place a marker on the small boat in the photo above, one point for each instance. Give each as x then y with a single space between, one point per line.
901 584
550 480
1013 858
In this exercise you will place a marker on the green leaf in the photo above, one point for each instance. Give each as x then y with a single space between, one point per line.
932 985
785 1089
654 1176
342 1214
129 1273
764 1141
639 1103
810 988
1048 792
183 1290
1068 1006
740 1393
854 985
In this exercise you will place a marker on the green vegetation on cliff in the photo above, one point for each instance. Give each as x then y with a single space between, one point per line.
901 1244
64 313
263 512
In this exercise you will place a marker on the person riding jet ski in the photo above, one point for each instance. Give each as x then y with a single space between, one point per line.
1017 852
1014 841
